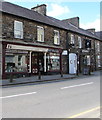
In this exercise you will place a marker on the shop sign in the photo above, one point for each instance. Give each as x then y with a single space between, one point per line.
84 51
53 50
65 52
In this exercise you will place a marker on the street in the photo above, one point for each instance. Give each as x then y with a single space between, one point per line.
75 98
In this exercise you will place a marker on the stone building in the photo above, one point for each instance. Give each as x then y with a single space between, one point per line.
98 50
31 42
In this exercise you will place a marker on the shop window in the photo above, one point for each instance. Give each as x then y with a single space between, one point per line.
53 62
87 60
16 61
98 61
72 39
80 42
56 37
40 34
18 29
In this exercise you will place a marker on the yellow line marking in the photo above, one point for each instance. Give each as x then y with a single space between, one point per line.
85 112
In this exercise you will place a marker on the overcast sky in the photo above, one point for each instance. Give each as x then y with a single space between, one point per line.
88 12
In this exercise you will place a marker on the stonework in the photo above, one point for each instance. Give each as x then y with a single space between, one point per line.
30 37
30 31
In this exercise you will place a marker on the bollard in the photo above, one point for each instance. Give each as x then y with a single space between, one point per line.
39 75
61 74
11 78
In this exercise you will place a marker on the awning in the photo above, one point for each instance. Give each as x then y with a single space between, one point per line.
27 48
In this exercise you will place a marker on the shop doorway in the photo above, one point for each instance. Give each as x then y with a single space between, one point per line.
37 62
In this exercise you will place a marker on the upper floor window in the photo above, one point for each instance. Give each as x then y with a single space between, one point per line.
72 39
40 34
98 46
18 29
88 43
80 42
56 37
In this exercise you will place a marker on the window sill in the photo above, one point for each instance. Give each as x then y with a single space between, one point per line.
40 41
57 44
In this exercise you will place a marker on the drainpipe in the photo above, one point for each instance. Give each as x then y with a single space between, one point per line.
45 62
67 47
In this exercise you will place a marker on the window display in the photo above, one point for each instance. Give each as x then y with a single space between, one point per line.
53 61
16 61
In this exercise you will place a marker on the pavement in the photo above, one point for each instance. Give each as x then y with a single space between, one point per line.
44 78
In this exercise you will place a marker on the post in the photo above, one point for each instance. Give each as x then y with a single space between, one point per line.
11 75
44 62
39 76
61 72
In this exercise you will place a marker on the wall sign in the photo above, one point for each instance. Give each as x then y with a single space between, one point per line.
65 52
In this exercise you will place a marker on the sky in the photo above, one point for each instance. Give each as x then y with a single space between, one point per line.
88 11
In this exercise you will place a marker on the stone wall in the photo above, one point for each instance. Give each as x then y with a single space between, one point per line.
30 31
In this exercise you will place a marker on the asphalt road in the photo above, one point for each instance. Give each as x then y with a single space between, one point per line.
78 98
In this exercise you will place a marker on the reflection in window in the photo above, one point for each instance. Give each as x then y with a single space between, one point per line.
16 62
40 34
56 37
18 29
53 61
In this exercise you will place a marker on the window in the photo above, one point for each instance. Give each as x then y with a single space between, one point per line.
72 39
98 46
18 29
80 42
56 37
98 61
16 61
40 34
87 43
53 62
87 60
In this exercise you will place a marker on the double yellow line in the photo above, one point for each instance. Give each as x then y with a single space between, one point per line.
85 112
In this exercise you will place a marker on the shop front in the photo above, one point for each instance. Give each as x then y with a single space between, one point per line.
23 60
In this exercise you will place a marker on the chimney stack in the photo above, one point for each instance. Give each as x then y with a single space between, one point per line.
92 30
74 21
40 9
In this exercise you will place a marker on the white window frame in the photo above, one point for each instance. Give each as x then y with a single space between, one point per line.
80 42
56 42
40 37
98 60
18 33
98 46
72 40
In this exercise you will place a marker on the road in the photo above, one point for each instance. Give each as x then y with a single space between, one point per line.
75 98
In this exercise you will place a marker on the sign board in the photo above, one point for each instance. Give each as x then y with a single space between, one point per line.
65 52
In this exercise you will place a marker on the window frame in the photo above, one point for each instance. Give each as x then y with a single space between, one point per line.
79 42
58 37
18 30
40 27
72 40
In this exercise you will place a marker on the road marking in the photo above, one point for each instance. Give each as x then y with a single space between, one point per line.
77 85
85 112
11 96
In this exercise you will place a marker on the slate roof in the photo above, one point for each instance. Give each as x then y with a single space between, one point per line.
32 15
99 34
